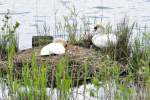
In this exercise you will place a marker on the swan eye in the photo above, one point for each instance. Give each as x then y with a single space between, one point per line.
95 28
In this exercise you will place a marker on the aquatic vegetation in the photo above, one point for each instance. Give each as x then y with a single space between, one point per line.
8 36
124 33
71 24
32 83
140 62
69 79
41 40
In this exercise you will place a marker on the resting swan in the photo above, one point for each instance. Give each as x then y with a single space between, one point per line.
58 46
102 40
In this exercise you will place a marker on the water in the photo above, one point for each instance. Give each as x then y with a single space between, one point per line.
40 12
107 91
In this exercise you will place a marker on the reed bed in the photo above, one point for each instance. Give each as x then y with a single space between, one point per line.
29 76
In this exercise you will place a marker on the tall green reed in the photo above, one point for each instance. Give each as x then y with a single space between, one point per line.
124 33
71 24
63 79
8 37
34 80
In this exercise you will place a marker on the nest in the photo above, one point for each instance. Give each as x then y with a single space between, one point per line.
77 56
76 53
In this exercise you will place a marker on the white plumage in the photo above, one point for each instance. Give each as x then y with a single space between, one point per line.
102 40
57 47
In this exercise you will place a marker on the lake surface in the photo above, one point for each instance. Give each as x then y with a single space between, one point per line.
35 13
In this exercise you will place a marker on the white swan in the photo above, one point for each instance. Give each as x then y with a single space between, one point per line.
58 46
102 40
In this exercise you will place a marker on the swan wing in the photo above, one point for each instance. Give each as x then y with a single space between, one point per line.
46 49
58 49
52 48
102 41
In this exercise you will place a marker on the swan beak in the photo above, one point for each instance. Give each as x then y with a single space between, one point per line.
66 46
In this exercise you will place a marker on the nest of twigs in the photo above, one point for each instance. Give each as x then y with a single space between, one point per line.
77 56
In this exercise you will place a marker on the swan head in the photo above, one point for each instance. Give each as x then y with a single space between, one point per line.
99 29
61 41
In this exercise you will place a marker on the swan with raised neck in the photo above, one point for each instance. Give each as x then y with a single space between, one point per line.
101 39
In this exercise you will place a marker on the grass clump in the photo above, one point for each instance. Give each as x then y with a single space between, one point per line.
139 63
123 48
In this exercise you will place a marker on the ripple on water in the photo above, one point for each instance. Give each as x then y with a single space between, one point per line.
41 16
146 0
15 13
65 2
3 3
98 17
39 20
103 7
